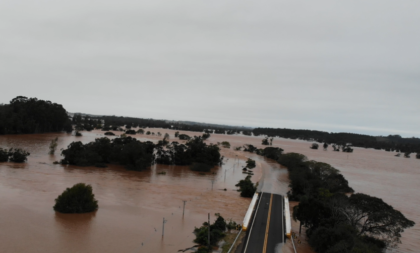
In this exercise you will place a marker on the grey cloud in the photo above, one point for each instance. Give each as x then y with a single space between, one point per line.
326 65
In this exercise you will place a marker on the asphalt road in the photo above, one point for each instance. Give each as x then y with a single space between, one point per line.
266 231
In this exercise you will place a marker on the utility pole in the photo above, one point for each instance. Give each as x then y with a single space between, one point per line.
163 226
184 208
209 234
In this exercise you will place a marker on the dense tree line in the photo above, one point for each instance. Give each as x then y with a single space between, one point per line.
29 115
389 143
337 222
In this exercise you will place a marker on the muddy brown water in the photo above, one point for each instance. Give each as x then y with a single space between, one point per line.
133 204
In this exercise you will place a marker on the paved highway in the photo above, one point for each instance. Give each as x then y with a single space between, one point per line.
266 233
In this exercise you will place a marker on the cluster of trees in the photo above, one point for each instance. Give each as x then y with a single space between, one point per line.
193 151
337 222
29 115
267 141
389 143
77 199
137 155
16 155
128 151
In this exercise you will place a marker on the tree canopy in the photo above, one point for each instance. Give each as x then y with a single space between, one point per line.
29 115
77 199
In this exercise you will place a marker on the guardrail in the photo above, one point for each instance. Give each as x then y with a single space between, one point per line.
287 217
248 214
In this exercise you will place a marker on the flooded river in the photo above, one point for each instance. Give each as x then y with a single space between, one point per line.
132 205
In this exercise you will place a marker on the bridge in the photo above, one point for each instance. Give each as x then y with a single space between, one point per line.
266 229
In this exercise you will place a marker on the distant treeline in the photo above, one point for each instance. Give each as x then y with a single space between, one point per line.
389 143
29 115
115 123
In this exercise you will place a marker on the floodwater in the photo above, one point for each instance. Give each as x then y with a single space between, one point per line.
132 205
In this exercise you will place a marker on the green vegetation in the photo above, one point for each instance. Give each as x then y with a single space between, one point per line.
87 123
336 222
184 137
387 143
225 144
29 115
133 154
176 134
53 146
250 164
314 146
137 155
246 187
4 155
78 134
15 155
265 141
109 133
130 132
194 151
77 199
140 131
272 152
206 136
217 230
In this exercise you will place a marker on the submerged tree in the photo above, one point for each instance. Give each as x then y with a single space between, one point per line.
18 155
265 141
53 146
314 146
246 187
77 199
4 155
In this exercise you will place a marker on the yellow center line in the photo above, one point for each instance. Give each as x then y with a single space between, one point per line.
268 225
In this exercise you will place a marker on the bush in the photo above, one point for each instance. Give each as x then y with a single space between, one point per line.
250 163
4 155
226 144
130 132
77 199
184 137
78 134
18 155
206 136
216 232
53 146
265 141
200 167
314 146
246 187
109 133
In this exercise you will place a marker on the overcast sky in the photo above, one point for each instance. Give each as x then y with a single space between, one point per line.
340 66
